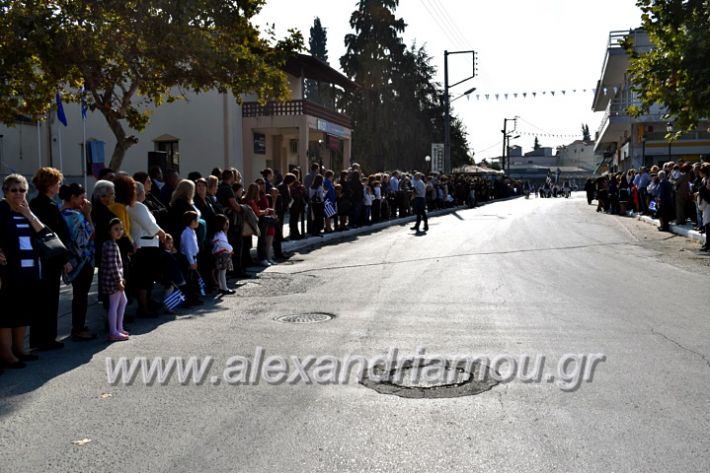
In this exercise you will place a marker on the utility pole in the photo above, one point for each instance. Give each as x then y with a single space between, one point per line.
505 160
447 102
502 156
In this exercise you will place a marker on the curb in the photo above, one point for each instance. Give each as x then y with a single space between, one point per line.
681 230
311 243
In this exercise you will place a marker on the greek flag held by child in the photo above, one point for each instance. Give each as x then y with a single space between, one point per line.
174 299
330 209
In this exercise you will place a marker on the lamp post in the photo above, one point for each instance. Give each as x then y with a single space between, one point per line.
427 159
447 103
669 129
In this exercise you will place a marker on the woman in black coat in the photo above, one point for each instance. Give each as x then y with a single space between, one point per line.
43 327
19 271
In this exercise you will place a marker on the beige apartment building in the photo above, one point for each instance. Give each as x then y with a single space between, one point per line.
203 131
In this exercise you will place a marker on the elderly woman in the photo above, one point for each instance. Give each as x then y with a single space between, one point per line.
19 271
76 213
43 327
146 235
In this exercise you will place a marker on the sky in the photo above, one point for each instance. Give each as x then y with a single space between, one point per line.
523 46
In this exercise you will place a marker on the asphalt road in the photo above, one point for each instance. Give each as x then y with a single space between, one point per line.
541 276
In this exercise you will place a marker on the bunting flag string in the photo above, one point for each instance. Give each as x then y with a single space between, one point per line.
545 93
549 135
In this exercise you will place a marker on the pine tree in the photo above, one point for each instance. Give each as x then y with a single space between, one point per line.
318 47
585 133
372 57
536 145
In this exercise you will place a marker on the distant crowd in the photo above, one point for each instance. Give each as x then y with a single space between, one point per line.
188 236
674 193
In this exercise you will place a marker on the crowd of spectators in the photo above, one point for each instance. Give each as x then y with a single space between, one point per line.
676 193
187 235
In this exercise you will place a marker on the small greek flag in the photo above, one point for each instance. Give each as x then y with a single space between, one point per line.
330 209
84 106
174 299
652 206
202 284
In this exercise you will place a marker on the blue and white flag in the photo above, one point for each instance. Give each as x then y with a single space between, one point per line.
60 111
202 284
330 208
84 106
652 206
174 299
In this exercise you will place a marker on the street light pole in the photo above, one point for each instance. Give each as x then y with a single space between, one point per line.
669 129
447 103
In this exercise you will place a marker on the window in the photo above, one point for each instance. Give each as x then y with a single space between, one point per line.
171 146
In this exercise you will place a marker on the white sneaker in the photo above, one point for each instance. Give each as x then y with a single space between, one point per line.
264 263
273 262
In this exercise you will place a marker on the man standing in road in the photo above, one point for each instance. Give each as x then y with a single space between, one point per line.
420 201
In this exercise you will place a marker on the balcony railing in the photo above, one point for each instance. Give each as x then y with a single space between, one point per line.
639 36
294 108
618 107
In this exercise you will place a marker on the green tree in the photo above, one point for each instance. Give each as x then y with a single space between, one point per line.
318 47
133 56
373 55
416 104
459 144
585 133
536 144
676 73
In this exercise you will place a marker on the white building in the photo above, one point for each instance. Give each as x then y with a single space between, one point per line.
630 142
579 154
204 131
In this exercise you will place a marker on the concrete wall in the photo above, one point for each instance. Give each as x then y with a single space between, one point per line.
208 126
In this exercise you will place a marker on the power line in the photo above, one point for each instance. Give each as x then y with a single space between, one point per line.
454 41
436 4
490 147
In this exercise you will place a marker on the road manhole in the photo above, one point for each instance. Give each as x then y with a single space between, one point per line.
431 379
305 318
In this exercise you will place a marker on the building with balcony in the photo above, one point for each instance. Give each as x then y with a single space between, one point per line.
630 142
206 130
308 128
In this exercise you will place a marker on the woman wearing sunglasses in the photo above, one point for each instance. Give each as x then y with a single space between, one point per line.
19 271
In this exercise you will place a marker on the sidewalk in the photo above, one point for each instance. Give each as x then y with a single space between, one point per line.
682 230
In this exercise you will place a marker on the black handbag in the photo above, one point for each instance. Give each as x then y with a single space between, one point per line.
50 247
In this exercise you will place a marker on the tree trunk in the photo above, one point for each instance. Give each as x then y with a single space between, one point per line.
123 142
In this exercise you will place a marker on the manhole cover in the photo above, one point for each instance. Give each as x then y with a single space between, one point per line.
431 379
305 318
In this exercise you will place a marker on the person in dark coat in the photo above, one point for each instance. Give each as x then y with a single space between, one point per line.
166 191
356 193
282 206
665 202
589 189
43 328
19 271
